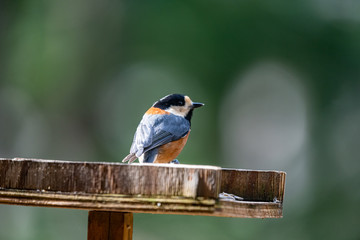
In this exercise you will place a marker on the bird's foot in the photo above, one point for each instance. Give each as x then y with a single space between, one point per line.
175 161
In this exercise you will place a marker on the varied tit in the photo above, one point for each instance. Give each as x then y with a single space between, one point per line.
163 130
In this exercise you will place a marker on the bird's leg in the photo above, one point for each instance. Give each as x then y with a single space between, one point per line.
175 161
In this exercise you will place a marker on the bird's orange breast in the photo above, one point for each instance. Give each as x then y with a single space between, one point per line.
171 150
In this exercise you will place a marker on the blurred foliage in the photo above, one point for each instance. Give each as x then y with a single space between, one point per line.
76 77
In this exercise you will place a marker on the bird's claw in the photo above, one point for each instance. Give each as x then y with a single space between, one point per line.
175 161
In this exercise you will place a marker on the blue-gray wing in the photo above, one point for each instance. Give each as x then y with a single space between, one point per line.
155 130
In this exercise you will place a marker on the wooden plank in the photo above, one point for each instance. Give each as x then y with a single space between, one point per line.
103 202
108 202
110 225
252 185
221 208
26 182
110 178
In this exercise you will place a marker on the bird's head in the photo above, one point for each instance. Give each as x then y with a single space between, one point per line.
178 104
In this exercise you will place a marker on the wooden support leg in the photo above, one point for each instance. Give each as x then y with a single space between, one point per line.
110 225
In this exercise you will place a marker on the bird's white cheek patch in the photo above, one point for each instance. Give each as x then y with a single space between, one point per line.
176 110
188 102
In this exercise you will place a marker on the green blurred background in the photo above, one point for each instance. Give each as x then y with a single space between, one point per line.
280 80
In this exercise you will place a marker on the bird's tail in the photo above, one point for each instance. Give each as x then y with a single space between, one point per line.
130 158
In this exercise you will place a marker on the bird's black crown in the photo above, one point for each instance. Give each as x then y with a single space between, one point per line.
170 100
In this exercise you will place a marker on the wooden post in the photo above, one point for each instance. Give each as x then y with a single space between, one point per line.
110 225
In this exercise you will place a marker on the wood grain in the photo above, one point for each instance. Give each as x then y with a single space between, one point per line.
98 225
248 209
110 225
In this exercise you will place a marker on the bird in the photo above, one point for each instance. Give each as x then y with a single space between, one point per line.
163 131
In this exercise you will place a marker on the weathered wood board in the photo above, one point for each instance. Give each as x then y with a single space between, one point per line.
141 188
253 185
110 178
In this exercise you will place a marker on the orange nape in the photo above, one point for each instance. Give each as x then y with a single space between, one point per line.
154 110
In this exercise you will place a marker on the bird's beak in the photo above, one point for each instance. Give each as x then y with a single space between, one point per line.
197 104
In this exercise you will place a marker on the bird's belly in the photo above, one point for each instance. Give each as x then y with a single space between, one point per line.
169 151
